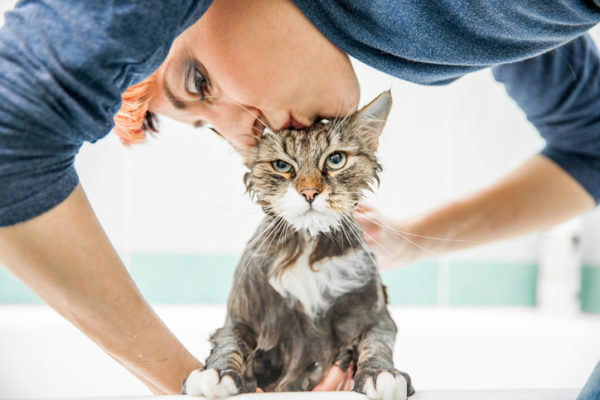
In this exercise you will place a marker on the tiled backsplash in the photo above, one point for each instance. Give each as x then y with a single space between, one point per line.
194 278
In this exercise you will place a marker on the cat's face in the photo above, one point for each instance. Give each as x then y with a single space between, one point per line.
313 178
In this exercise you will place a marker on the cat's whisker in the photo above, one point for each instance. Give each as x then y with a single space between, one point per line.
418 245
285 233
255 129
276 232
349 230
414 244
217 230
262 237
338 121
266 232
370 118
339 111
226 98
398 232
337 124
358 234
285 228
281 223
272 232
389 253
347 237
182 188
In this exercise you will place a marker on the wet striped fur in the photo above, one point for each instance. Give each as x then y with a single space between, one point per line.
307 292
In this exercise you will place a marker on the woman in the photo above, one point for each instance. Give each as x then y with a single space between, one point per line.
239 65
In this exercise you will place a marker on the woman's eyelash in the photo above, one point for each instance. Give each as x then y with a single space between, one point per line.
197 81
200 80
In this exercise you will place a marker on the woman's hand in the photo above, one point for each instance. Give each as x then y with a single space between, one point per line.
394 243
536 196
336 379
65 257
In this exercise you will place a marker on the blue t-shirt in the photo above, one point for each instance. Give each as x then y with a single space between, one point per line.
63 67
64 64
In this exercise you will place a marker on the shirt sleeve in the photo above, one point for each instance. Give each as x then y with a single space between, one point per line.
560 93
63 67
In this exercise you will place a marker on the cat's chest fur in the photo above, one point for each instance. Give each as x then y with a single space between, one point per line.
316 286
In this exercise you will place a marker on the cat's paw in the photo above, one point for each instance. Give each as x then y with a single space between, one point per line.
210 384
381 384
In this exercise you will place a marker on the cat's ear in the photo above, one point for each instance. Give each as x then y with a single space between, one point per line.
372 118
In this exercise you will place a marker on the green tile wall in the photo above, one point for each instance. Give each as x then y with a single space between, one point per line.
504 284
177 278
413 284
191 278
590 289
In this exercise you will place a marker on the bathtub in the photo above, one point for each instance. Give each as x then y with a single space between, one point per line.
450 352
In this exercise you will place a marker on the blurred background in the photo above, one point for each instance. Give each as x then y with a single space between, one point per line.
520 313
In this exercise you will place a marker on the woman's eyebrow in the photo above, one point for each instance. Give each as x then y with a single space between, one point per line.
177 103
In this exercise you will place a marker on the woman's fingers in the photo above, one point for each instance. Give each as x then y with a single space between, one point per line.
392 248
349 385
336 379
370 223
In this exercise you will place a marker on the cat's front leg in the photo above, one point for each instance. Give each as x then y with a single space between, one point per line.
375 373
223 374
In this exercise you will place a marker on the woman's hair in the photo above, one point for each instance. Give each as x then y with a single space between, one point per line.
134 119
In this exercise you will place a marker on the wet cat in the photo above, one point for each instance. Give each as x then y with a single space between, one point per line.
307 292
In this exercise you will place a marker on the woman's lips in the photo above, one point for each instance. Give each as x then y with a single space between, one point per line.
292 123
296 124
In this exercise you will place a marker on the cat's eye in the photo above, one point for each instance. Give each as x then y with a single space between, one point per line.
196 81
282 166
335 161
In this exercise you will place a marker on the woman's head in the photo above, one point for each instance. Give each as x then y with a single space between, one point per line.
245 63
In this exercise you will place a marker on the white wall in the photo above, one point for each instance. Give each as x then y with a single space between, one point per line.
182 191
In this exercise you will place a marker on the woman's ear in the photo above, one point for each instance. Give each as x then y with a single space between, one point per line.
372 118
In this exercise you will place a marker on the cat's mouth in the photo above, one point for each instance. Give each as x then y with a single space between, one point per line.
314 218
310 210
313 221
303 214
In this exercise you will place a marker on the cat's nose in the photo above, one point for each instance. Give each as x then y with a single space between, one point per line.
309 194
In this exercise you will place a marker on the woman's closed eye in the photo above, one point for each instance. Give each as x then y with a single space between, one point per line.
197 82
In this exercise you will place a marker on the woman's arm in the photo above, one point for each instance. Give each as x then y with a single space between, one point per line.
536 196
65 257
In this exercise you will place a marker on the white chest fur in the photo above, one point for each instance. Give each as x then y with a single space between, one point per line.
329 278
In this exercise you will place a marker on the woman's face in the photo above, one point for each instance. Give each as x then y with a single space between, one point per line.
249 63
